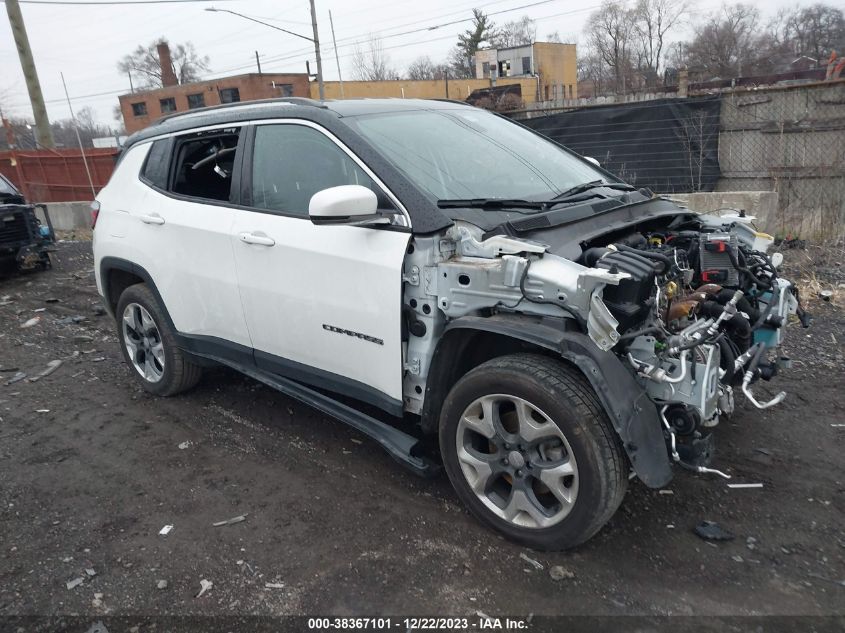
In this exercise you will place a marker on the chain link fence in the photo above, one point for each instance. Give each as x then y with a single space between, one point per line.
786 139
789 140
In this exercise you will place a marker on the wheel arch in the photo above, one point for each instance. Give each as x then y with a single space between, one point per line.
118 274
469 341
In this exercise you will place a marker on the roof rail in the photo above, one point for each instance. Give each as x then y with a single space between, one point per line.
223 106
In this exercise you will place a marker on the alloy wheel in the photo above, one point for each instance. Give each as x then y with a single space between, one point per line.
517 461
143 342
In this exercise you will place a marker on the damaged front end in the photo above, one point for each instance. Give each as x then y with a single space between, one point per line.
666 318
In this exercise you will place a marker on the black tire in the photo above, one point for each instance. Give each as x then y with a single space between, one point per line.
179 373
564 396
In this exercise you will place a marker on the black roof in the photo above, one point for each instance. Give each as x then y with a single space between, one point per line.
292 107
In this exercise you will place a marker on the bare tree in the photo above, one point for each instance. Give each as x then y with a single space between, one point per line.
697 129
654 19
610 32
144 65
370 62
729 43
519 32
814 31
422 68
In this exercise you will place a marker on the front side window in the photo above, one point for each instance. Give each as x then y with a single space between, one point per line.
204 164
293 162
472 153
196 101
139 109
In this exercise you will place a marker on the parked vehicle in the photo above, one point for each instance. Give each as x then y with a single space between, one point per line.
24 242
548 327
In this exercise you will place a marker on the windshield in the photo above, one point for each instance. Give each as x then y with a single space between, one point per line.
471 153
6 187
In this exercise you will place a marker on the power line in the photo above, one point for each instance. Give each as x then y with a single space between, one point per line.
114 2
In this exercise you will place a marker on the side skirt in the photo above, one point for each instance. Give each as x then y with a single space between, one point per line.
398 444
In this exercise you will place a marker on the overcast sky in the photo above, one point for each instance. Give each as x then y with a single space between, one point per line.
85 42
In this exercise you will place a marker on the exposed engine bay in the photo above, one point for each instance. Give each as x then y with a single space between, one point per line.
691 304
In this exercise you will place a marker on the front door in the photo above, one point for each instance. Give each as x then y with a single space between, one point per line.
322 303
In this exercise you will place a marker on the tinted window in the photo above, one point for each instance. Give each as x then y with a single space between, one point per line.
293 162
155 167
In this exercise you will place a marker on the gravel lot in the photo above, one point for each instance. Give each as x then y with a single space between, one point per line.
92 468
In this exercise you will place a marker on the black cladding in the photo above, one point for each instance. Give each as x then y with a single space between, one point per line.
631 300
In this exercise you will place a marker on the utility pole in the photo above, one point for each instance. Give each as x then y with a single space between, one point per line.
33 86
317 52
258 62
336 58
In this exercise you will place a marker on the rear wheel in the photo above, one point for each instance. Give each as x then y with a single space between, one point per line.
149 344
531 452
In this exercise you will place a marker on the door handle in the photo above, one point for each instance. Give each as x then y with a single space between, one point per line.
257 238
153 218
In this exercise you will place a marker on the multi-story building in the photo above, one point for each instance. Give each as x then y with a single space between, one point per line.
554 66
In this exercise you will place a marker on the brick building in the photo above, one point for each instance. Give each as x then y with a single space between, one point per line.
139 109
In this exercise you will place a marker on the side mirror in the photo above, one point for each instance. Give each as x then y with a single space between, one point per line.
346 204
593 161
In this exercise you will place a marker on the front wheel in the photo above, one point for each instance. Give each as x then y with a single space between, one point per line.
531 452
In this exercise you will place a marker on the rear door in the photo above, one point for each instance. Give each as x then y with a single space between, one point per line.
322 303
185 227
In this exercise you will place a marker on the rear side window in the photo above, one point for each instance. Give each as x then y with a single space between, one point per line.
293 162
155 167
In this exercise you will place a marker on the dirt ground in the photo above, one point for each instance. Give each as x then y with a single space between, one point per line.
92 468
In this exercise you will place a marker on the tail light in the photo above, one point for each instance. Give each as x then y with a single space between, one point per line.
95 212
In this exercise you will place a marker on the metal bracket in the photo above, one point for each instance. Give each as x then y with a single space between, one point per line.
412 279
413 366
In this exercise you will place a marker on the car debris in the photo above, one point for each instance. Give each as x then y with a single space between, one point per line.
205 585
71 584
740 486
71 320
231 521
712 531
274 585
91 572
42 410
16 378
30 322
534 563
165 530
186 444
558 572
52 366
161 584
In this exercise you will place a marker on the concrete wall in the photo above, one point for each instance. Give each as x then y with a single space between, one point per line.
556 64
68 216
761 204
459 89
790 140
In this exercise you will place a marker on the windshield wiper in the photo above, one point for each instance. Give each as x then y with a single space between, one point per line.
490 203
594 184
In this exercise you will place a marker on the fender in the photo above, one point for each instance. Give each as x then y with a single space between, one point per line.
633 416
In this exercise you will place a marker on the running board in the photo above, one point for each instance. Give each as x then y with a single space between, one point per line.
398 444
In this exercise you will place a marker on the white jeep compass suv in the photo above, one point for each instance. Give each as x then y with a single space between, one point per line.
547 327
